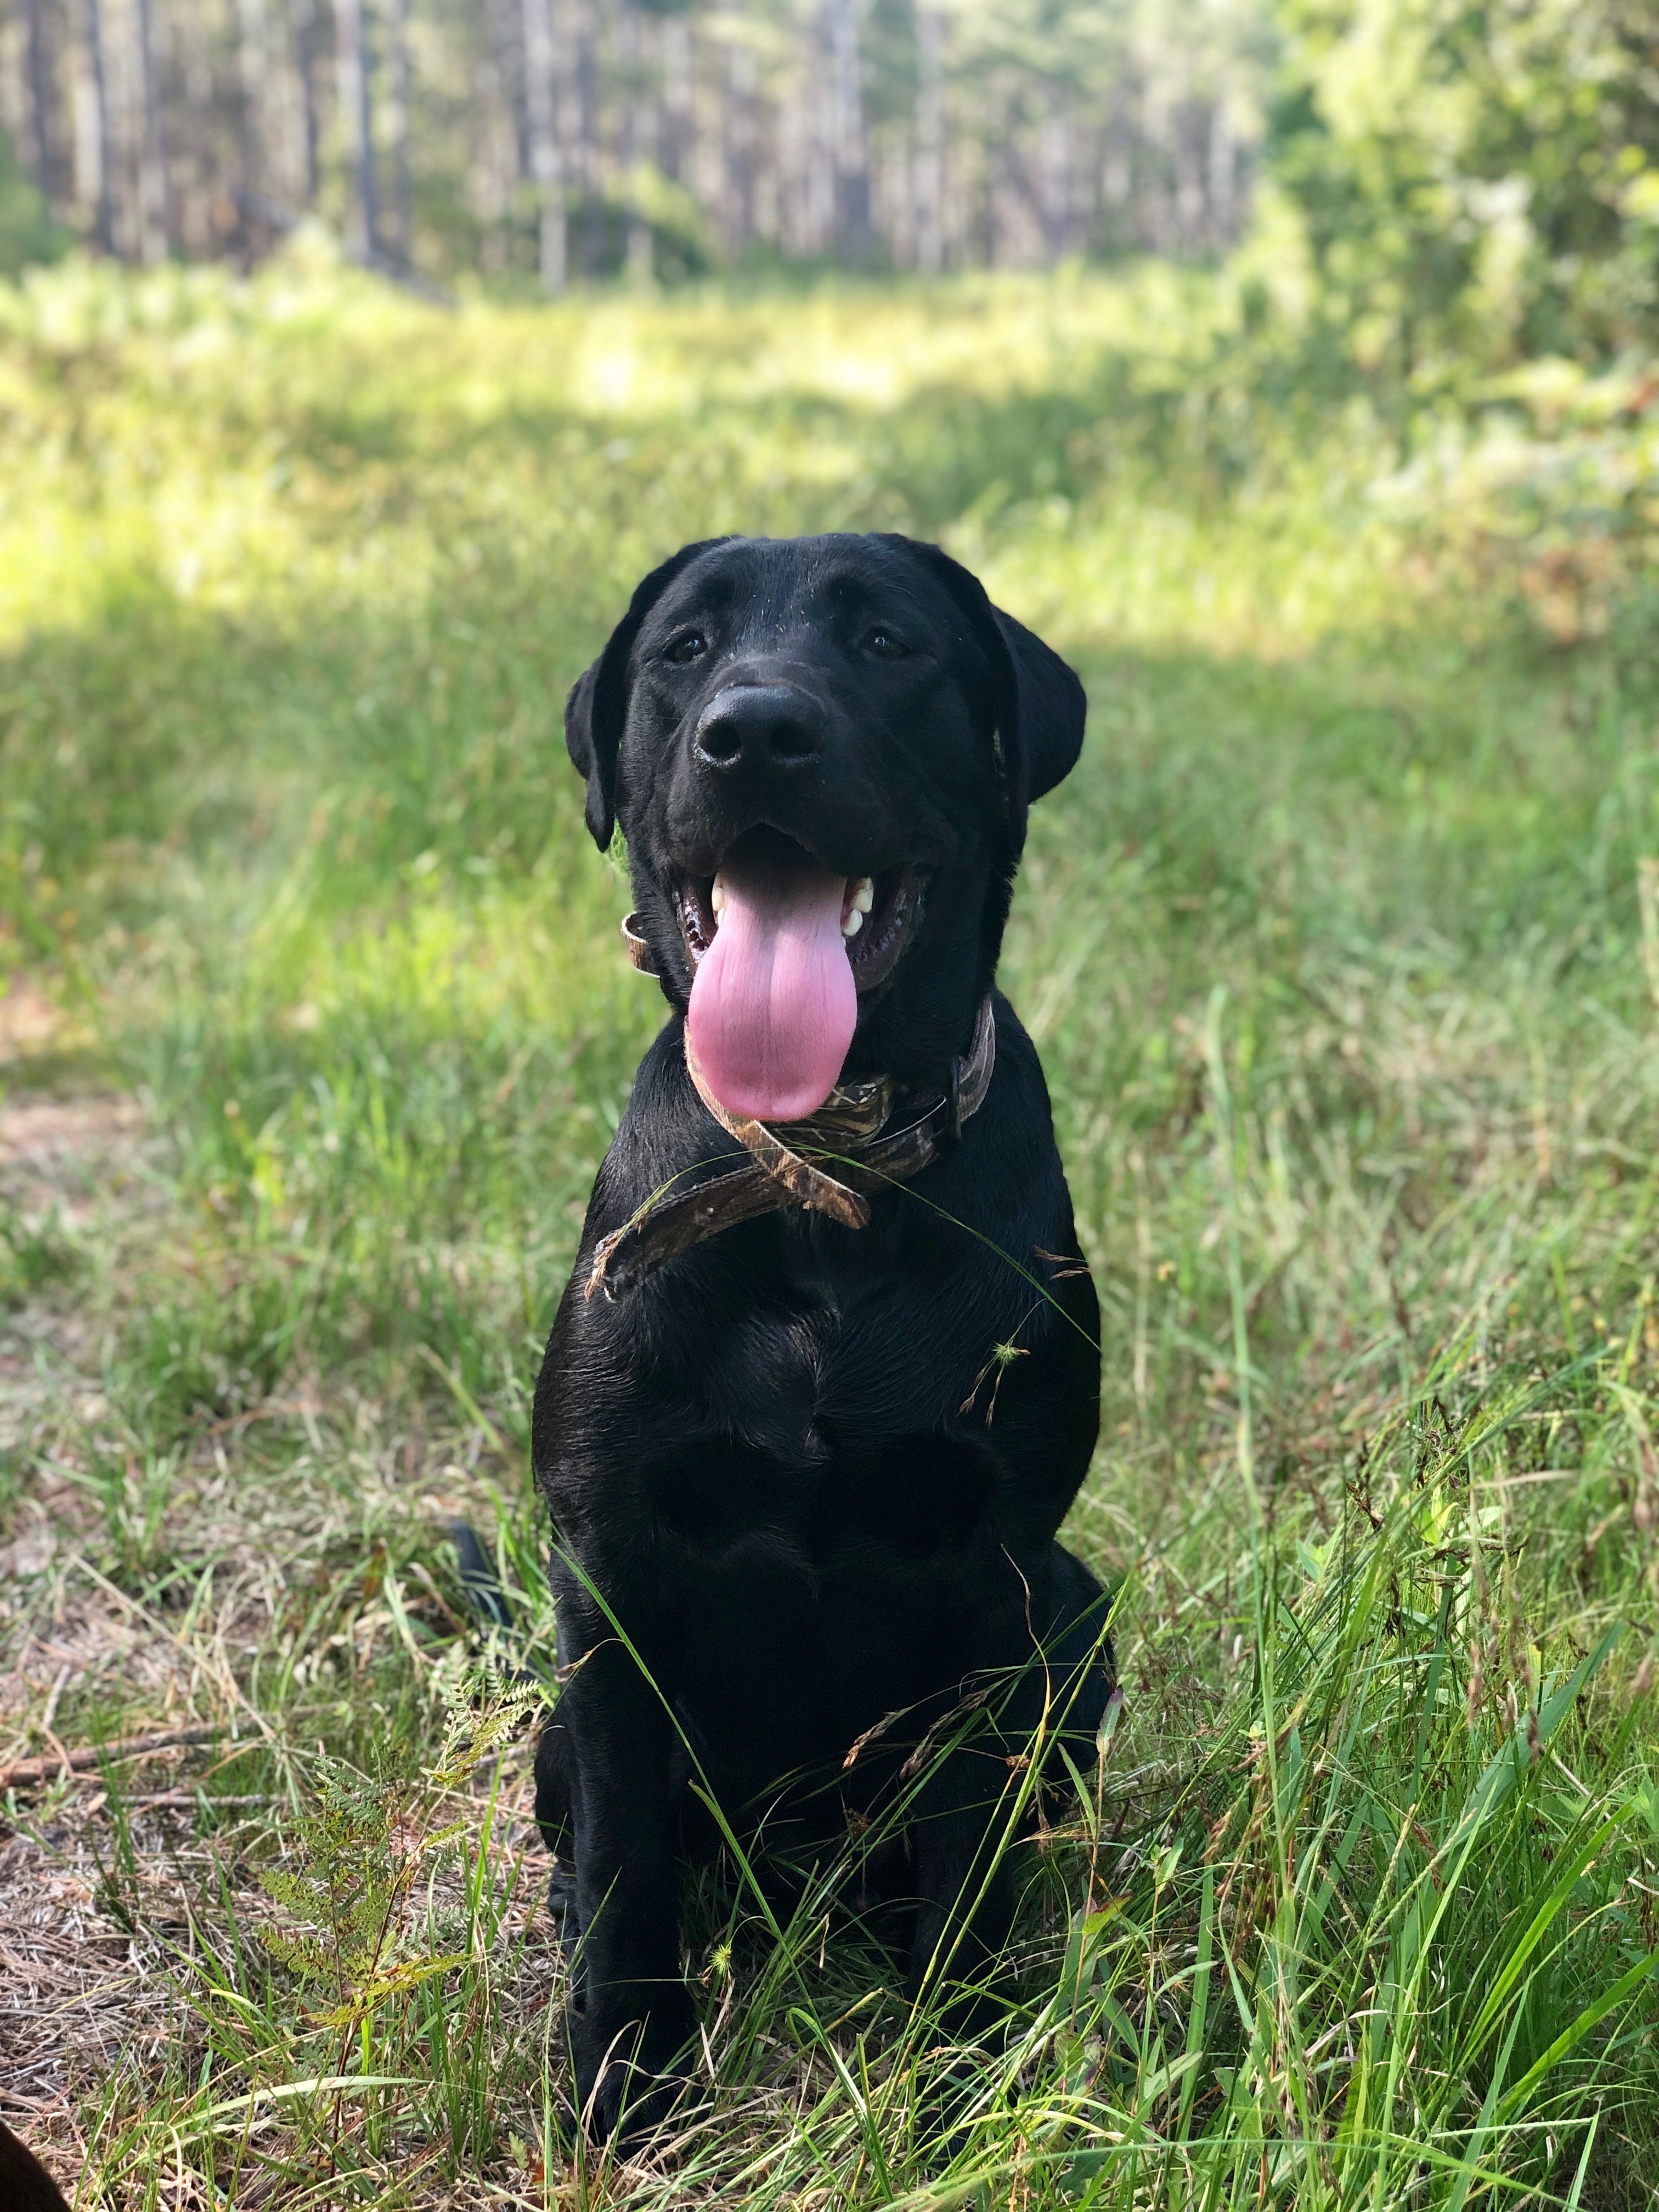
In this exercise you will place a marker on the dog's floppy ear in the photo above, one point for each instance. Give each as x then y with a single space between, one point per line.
598 705
1039 703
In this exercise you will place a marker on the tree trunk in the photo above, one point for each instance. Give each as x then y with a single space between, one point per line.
585 89
403 219
199 225
1223 167
304 63
927 173
676 94
821 95
507 36
738 86
636 145
103 228
42 135
1054 174
851 155
1001 193
541 102
794 159
1189 179
1154 203
154 228
1118 175
253 69
356 60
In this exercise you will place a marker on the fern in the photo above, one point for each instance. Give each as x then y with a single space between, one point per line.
360 1848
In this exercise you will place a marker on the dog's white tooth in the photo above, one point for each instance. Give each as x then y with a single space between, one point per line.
864 895
717 898
852 923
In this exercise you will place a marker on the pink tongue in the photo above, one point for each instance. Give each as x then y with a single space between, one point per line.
773 1003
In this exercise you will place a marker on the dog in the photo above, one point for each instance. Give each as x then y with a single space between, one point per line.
825 1379
24 2184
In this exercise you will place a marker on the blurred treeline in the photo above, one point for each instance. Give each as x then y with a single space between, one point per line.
1424 179
576 138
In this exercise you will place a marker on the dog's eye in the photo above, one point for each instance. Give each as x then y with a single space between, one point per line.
886 646
691 646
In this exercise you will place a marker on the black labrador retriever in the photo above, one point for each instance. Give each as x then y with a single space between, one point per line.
826 1377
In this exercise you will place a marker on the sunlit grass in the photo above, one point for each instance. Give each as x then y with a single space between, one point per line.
1332 949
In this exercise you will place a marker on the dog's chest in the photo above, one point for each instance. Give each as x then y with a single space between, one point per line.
824 1368
821 1425
790 1377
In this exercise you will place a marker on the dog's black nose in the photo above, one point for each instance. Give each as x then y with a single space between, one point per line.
757 724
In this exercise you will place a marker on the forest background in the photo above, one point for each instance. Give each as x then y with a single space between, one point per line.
1481 176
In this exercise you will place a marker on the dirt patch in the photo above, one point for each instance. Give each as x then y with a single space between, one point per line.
71 1155
71 1170
75 1988
109 1963
30 1022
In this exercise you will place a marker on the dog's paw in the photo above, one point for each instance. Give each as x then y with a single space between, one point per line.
955 2103
631 2075
627 2105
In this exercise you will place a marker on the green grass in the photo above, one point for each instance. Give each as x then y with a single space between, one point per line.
1334 949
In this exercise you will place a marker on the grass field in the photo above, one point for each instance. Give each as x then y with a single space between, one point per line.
1342 951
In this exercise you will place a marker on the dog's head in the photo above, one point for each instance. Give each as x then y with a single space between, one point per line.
821 751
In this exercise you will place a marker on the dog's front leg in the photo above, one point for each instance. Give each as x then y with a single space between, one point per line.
965 1906
631 2012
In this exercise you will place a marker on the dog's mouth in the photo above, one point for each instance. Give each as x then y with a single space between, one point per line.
781 948
876 914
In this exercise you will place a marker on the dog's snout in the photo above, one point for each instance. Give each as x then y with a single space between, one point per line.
757 725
